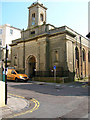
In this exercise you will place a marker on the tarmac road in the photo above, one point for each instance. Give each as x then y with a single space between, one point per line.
56 100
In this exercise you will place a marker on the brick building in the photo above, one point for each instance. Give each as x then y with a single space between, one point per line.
43 46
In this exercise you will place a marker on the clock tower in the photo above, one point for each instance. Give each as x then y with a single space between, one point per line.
37 14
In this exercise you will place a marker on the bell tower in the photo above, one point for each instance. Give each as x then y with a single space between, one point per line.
37 14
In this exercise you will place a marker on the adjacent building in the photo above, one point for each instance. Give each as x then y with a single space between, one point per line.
2 84
44 47
7 34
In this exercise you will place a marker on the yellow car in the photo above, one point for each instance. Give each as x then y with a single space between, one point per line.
12 74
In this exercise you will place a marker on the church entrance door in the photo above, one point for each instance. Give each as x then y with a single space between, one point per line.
31 65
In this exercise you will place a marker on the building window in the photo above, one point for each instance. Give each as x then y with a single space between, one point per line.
83 55
11 31
0 42
89 56
41 17
33 32
33 16
77 57
56 56
77 53
0 31
33 19
15 60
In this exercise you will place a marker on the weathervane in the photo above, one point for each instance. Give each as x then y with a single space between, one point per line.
38 1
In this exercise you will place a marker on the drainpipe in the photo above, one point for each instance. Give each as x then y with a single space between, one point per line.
23 52
75 57
81 56
6 75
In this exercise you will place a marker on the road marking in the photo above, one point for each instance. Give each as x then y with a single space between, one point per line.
37 104
16 95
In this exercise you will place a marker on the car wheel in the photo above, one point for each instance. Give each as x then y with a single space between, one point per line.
25 81
16 79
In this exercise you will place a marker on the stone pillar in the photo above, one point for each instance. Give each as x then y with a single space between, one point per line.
2 93
47 54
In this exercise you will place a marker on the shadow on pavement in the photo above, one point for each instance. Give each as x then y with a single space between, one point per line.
59 90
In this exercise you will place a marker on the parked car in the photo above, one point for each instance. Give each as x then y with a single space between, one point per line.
12 74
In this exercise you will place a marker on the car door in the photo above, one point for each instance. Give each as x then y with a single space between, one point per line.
9 74
13 75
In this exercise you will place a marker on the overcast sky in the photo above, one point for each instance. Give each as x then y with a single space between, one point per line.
72 13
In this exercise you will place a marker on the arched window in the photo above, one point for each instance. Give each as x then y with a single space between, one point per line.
56 56
77 56
33 19
41 17
89 56
77 53
15 60
0 42
33 16
83 55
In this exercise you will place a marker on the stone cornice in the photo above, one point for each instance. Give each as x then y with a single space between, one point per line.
34 4
42 35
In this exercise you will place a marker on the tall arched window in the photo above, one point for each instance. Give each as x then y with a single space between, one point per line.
0 42
33 16
41 17
83 55
77 56
88 56
56 56
77 53
33 19
15 60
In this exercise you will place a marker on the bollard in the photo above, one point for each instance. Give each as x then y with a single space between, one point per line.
3 77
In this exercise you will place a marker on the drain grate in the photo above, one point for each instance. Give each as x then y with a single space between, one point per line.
28 98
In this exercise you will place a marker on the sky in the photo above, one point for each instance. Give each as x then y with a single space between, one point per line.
72 13
89 16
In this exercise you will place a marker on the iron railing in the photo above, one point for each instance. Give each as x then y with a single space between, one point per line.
51 73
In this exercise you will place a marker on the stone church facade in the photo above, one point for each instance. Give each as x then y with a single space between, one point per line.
43 46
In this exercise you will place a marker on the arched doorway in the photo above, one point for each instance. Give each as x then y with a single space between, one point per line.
31 66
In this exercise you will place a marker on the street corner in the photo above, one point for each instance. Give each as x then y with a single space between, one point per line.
15 104
18 105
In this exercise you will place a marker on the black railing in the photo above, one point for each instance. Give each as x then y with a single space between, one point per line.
51 73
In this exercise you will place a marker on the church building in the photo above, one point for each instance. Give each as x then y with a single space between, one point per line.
44 48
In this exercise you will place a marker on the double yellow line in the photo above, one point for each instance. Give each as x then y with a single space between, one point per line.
36 106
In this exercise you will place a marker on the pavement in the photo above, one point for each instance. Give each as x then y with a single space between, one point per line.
15 104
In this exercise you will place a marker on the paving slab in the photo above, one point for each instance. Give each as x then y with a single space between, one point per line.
14 105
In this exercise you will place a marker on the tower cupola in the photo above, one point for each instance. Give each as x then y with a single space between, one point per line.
37 14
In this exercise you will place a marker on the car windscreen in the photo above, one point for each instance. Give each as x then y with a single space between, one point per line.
17 71
13 72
